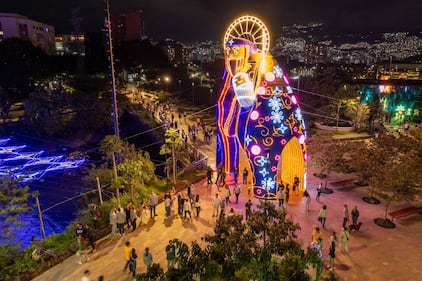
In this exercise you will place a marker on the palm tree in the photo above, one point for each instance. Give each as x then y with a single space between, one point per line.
173 142
112 147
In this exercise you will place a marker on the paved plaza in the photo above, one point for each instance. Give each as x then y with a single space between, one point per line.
374 254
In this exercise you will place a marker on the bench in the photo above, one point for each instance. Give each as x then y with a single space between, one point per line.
342 183
404 212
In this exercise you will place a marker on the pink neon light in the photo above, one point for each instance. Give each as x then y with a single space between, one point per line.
302 139
260 91
267 118
269 76
255 149
254 115
285 79
305 156
273 168
283 141
294 100
277 157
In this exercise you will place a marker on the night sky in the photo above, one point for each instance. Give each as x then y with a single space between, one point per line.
191 20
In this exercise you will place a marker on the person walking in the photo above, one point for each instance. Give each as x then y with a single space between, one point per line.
127 251
152 204
209 176
197 205
287 193
245 176
308 201
344 240
222 208
148 259
236 175
236 190
219 173
323 215
345 215
132 262
90 236
355 215
227 194
248 211
216 202
170 255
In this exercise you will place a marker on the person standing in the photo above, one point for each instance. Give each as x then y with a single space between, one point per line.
90 236
248 207
280 196
170 255
187 207
216 201
219 173
296 182
197 205
167 205
152 204
223 178
287 193
86 275
355 215
132 262
308 201
236 175
245 176
148 259
345 215
113 221
332 252
319 190
209 176
316 234
323 215
237 192
121 221
133 217
344 240
127 251
222 208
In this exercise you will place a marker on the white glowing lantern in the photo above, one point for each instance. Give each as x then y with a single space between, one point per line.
269 76
244 89
260 91
254 115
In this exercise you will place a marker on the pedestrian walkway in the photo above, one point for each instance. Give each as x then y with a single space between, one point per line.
374 254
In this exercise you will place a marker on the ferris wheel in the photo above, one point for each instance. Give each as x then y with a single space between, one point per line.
250 28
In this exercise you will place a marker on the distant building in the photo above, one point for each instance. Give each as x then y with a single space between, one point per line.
17 26
70 44
127 26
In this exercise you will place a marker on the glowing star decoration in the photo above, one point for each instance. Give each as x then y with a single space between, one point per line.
248 140
277 90
278 72
282 128
269 76
256 150
254 115
277 116
298 114
275 103
262 161
263 172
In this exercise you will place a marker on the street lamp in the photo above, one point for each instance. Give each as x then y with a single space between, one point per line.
167 81
211 90
193 94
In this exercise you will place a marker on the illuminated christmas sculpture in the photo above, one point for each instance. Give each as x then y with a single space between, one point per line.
258 117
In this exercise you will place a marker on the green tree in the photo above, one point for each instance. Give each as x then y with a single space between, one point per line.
357 112
14 201
172 145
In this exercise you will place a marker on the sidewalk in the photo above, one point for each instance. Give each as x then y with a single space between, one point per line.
374 254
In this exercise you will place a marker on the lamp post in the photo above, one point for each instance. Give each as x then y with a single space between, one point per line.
211 90
193 94
267 156
167 81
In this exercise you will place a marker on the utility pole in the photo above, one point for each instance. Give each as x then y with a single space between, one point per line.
99 191
113 90
40 217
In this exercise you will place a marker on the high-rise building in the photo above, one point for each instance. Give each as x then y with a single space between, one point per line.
70 44
127 26
17 26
